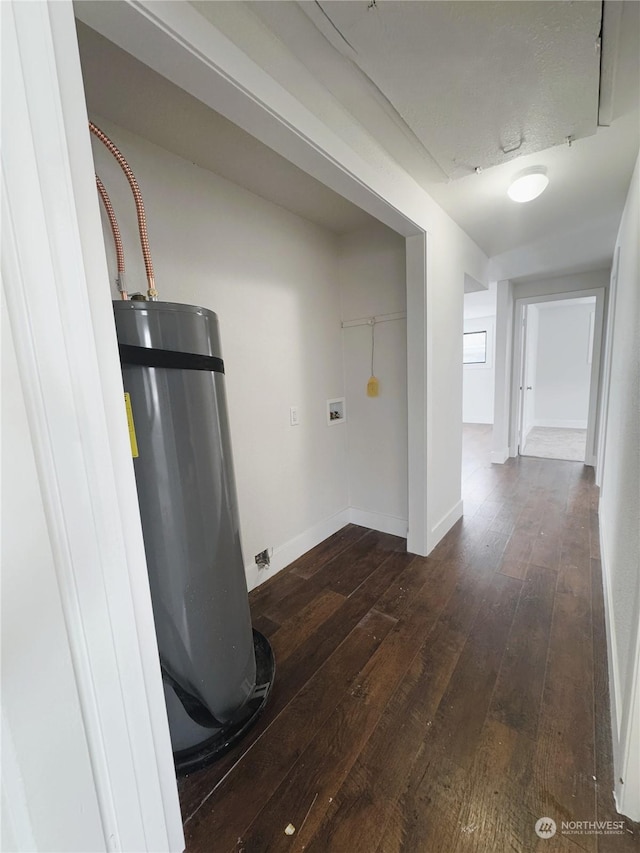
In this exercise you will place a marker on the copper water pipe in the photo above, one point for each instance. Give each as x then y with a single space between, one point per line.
152 293
117 239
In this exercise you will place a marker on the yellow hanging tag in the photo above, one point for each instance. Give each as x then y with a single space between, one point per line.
132 426
373 386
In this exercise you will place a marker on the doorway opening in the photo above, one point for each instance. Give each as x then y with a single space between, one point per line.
556 378
478 359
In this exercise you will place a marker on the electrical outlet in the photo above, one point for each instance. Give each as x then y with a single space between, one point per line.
294 416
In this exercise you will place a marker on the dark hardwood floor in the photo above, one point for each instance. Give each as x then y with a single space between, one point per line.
431 704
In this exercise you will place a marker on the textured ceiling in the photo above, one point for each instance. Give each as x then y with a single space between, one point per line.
571 227
588 179
478 83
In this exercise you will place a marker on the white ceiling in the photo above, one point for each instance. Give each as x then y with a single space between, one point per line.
478 83
437 87
122 89
587 181
556 41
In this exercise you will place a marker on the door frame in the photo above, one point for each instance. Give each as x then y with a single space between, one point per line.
605 380
177 42
58 305
522 381
594 384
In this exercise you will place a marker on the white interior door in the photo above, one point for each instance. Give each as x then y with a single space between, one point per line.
529 372
528 408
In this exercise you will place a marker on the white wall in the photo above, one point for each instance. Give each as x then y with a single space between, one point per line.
481 303
373 282
479 379
272 278
560 284
184 47
448 263
620 508
563 365
504 366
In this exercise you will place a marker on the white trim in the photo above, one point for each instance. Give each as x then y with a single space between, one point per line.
592 317
100 565
612 647
419 393
612 14
378 521
503 374
628 795
499 457
625 716
445 524
606 368
523 369
283 555
558 424
594 385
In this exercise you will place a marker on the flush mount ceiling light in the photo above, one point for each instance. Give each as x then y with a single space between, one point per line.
528 185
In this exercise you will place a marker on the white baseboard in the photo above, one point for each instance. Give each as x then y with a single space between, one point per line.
500 456
444 526
285 554
378 521
612 648
560 424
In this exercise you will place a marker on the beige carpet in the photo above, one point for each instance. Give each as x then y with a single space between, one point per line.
554 443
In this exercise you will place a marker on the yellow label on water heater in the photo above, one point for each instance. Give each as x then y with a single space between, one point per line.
132 426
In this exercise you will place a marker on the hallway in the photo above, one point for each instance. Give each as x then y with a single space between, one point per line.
431 704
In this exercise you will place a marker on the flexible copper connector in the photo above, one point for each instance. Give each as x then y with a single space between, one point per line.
152 293
117 239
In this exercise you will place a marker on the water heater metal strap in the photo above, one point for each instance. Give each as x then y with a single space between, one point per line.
148 357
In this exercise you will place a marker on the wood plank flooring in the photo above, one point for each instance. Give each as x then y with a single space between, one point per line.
431 704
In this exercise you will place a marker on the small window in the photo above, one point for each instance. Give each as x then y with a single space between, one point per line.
474 348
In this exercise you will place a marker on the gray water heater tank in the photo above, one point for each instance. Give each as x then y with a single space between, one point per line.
217 672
